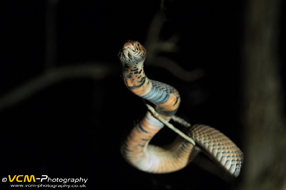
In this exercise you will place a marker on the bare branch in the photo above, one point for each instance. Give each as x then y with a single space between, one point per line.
94 71
154 46
153 43
177 71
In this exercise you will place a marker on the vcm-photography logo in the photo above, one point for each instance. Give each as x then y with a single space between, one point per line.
43 178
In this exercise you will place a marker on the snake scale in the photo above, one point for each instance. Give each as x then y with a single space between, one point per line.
177 155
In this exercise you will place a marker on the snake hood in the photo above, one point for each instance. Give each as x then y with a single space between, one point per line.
132 54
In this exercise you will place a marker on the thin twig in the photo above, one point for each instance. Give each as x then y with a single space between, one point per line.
157 116
181 121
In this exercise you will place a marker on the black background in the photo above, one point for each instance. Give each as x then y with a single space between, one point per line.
74 128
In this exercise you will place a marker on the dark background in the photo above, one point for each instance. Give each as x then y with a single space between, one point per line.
73 128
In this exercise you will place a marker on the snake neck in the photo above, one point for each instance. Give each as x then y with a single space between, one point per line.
132 57
135 79
136 148
165 97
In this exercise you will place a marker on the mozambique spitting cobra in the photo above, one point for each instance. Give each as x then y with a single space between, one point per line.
177 155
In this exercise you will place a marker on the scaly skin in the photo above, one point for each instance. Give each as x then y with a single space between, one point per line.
166 97
136 148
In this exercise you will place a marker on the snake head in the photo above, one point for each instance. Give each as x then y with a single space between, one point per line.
132 53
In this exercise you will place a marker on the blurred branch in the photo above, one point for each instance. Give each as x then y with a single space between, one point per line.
165 7
177 71
155 46
94 71
153 43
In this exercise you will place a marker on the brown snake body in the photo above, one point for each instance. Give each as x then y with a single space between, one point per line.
150 158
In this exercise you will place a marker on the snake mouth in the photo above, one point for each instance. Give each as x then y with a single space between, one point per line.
132 53
128 54
125 53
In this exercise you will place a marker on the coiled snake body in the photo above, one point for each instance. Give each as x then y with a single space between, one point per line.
150 158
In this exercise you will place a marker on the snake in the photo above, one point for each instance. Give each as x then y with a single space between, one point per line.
136 148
